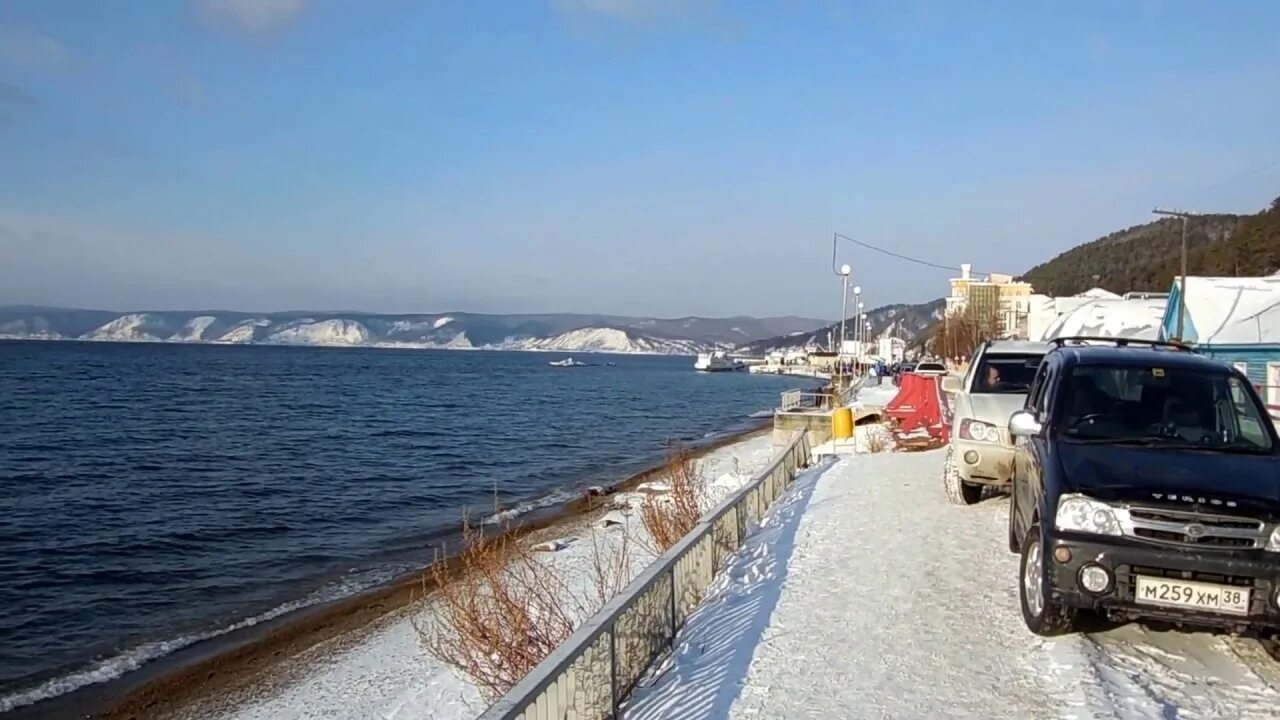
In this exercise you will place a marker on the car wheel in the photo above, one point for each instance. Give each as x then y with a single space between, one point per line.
958 491
1040 612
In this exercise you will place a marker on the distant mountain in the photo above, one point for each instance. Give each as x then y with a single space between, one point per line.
909 322
560 332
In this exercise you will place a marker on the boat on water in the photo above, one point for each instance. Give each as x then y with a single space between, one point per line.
567 362
717 361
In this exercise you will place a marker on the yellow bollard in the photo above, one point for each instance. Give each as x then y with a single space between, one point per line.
842 423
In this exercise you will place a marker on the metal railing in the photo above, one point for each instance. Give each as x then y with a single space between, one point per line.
597 667
801 399
793 400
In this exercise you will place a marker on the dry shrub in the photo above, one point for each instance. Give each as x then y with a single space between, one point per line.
670 516
500 607
875 441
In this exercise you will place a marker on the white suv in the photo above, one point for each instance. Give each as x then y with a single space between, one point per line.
981 451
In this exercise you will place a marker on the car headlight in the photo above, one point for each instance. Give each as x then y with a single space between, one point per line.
1084 514
980 431
1273 542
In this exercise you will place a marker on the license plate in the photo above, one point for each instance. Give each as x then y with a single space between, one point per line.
1210 597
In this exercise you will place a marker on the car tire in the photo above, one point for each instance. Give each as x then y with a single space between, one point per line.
959 492
1040 612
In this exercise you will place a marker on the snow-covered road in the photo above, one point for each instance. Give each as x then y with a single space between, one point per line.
866 595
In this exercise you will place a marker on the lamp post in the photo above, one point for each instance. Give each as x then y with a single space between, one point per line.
844 312
857 314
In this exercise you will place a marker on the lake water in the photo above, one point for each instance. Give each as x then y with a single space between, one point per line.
158 495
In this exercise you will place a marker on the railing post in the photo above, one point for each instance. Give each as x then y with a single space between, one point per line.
613 668
674 624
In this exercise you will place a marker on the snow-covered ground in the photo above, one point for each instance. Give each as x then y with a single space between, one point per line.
387 674
865 594
876 395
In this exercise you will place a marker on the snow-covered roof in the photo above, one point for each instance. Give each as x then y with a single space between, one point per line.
1110 317
1229 310
1098 293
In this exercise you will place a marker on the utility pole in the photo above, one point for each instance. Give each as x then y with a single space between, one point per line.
1182 289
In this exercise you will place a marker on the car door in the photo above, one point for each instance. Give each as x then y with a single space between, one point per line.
1028 455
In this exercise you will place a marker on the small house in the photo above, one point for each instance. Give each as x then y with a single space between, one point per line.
1236 320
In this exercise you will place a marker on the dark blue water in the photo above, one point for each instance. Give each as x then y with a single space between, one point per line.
156 495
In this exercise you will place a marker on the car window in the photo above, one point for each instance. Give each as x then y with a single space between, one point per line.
1250 426
1005 374
932 367
1037 387
1161 406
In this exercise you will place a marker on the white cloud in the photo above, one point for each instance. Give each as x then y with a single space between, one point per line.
250 16
24 46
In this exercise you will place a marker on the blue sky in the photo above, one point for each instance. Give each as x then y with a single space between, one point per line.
629 156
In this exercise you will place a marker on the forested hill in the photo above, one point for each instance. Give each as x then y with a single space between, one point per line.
1129 259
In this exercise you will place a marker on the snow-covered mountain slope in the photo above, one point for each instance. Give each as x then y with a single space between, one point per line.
195 330
33 328
134 327
909 322
246 331
605 339
454 330
321 332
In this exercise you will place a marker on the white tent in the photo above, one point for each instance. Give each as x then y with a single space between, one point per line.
1099 294
1232 311
1111 318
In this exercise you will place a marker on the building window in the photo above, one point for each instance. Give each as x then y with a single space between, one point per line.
1272 393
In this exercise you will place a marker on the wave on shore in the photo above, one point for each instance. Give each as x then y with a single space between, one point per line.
116 666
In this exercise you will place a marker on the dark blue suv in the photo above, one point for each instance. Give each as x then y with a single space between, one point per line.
1146 485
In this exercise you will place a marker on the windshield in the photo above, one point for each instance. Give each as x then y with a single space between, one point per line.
931 366
1002 374
1162 406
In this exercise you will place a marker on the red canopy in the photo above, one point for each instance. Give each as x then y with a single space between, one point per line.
920 403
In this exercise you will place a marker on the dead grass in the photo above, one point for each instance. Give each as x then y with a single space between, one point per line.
500 607
669 516
875 441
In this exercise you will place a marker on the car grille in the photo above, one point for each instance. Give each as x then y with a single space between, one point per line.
1191 529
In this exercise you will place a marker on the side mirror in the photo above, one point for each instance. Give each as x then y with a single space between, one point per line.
1024 424
951 384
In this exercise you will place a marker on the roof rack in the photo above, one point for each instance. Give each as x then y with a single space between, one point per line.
1121 342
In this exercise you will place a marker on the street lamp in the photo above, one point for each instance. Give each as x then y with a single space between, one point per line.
844 312
862 337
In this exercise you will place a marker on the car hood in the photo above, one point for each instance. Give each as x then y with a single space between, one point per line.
1197 480
990 407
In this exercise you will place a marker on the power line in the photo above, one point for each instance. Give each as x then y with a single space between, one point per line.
1242 175
891 253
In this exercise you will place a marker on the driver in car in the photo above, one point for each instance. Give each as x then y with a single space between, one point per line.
993 377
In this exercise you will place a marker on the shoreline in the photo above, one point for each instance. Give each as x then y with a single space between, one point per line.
233 664
348 346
